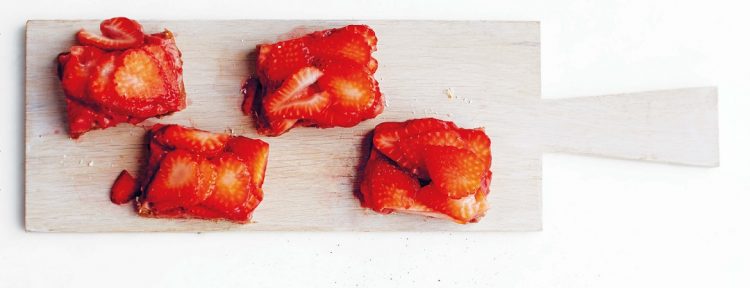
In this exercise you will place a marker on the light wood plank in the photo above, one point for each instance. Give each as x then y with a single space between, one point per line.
493 69
672 126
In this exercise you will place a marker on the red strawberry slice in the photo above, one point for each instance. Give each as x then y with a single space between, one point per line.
232 184
341 45
255 155
124 188
139 87
414 149
139 77
306 105
278 61
178 177
171 64
291 96
365 32
454 171
352 88
80 117
478 142
418 126
102 75
206 183
78 68
372 65
386 139
118 34
462 210
193 140
387 187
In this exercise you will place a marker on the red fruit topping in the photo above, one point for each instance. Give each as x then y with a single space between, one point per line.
232 184
122 76
462 210
124 188
388 188
276 62
192 140
117 34
198 174
449 165
295 98
255 155
454 171
322 79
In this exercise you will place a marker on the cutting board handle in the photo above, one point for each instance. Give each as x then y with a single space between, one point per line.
671 126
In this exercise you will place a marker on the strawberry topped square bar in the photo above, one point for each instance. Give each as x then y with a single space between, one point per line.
120 76
192 173
323 79
428 167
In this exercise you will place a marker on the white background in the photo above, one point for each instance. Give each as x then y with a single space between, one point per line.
607 223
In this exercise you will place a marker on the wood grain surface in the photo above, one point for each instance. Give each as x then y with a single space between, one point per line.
491 68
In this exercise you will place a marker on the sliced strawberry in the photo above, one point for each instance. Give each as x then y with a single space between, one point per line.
414 147
293 89
478 142
254 153
372 65
177 177
193 140
118 34
365 32
351 87
462 210
124 188
77 68
423 125
232 184
454 171
80 118
341 44
386 187
101 78
170 67
139 76
386 139
306 105
206 183
278 61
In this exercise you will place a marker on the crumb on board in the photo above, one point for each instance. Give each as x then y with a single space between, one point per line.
450 94
91 163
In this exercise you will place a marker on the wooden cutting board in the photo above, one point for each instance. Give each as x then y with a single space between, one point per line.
491 68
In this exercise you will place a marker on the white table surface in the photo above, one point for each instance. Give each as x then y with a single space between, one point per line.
608 223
